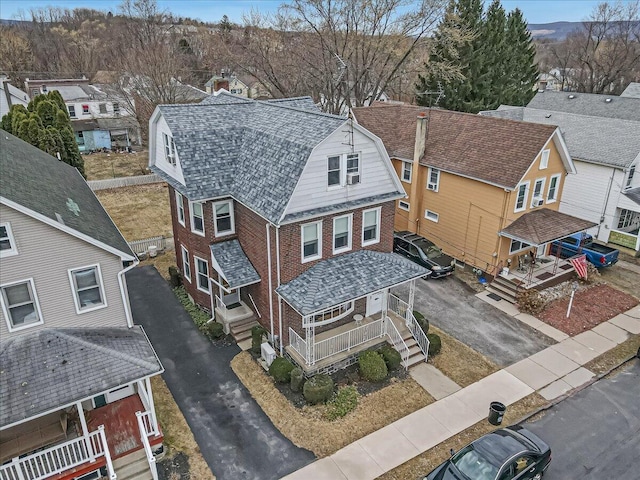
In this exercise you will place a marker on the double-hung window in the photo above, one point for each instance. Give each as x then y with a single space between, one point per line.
169 149
342 233
20 304
85 109
537 198
632 172
102 107
406 171
72 110
311 235
433 179
7 242
343 170
88 293
371 226
544 159
223 218
552 194
180 207
521 197
186 264
202 268
197 218
334 174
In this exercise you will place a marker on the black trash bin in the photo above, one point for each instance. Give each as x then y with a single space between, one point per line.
496 412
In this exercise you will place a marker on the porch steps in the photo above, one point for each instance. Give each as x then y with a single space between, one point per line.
504 288
415 354
133 466
241 330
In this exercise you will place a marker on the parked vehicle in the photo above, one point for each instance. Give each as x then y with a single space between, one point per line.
578 243
512 453
423 252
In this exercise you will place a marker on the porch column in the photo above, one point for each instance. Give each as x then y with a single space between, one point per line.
152 408
385 308
85 432
412 295
310 339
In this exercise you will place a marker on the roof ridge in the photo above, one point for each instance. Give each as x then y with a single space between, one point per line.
304 110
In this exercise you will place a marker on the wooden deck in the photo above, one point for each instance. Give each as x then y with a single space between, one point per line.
545 273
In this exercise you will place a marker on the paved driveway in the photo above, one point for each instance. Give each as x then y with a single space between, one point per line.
452 306
236 438
595 434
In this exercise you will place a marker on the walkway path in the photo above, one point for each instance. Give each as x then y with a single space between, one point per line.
552 372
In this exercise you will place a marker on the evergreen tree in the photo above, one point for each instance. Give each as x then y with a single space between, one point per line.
521 61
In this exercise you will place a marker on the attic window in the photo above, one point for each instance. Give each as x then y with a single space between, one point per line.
169 149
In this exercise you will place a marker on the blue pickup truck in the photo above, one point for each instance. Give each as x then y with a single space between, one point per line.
578 243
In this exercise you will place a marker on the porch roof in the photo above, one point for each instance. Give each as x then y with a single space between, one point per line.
347 277
54 368
633 195
543 225
230 261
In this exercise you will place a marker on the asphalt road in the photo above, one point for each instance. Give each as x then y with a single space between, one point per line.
236 438
595 434
452 306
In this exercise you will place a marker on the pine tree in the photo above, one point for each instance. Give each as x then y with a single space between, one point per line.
521 61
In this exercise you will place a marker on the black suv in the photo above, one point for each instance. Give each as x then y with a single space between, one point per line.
423 252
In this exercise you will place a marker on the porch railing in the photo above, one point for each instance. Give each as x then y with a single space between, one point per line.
60 458
347 340
144 437
298 343
397 341
149 426
402 308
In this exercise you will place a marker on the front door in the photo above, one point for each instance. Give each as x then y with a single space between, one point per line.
231 298
374 303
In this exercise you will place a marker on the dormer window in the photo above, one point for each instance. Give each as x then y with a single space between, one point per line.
169 149
7 242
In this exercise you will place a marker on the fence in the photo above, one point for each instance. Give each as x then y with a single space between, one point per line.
140 247
124 182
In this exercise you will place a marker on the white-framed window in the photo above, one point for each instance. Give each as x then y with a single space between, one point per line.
632 171
116 108
197 218
169 149
334 313
544 159
180 207
343 170
88 292
626 218
554 183
202 273
342 233
20 304
85 109
407 169
311 241
402 205
72 110
517 245
537 199
521 197
223 219
333 171
353 168
102 107
7 242
433 216
186 264
433 179
371 226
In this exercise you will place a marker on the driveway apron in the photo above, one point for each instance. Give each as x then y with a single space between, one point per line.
236 438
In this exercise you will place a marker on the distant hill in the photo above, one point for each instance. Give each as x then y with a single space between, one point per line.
552 31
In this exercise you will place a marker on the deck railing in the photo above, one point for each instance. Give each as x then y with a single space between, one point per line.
347 340
402 308
298 343
144 437
60 458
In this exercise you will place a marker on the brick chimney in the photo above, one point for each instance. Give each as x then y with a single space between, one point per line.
418 152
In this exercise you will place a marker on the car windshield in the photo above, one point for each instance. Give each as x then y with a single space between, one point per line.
428 248
473 465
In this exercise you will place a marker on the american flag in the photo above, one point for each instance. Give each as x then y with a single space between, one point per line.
580 264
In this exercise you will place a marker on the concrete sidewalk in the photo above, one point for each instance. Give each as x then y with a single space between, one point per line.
552 372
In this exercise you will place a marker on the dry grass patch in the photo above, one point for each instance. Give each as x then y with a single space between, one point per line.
307 428
419 466
141 211
615 356
459 362
177 434
162 262
102 166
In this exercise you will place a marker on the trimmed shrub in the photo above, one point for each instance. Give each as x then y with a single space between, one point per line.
280 370
372 367
174 276
391 357
318 389
435 344
530 301
297 379
345 401
213 330
257 334
422 322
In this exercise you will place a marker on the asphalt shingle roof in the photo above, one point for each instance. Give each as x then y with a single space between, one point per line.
592 104
544 225
347 277
632 90
303 103
633 195
497 151
43 184
607 141
48 368
253 150
236 267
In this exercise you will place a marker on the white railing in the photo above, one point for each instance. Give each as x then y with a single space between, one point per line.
397 341
347 340
144 437
220 304
255 307
149 426
60 458
140 247
402 308
298 343
123 182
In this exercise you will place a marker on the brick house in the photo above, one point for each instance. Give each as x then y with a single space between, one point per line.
285 214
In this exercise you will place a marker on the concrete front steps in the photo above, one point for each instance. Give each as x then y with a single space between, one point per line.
504 288
241 330
133 466
415 354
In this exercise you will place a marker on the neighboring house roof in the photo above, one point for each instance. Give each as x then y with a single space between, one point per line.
347 277
252 150
48 369
18 95
232 263
188 93
56 193
633 195
632 90
84 125
606 141
593 104
543 226
116 123
497 151
85 93
303 103
222 97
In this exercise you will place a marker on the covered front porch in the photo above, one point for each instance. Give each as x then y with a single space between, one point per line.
625 231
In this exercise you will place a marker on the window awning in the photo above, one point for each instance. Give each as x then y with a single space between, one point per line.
542 226
347 277
230 261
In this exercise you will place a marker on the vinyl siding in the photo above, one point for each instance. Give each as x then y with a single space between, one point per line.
45 254
156 152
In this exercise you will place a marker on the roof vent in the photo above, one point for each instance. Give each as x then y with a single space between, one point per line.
608 100
548 115
572 96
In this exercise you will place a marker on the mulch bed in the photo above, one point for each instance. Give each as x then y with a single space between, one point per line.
590 308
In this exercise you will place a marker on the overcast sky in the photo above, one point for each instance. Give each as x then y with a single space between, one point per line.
535 11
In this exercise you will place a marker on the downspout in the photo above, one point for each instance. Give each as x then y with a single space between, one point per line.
278 281
124 293
270 285
606 203
503 221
